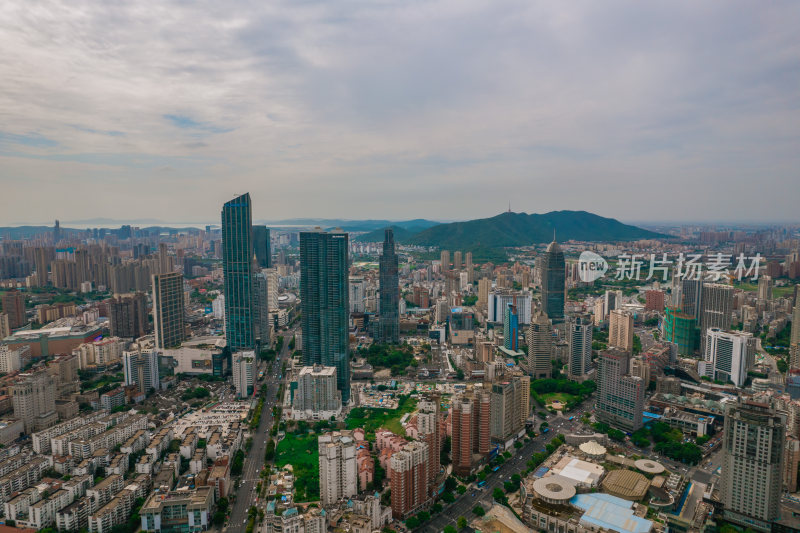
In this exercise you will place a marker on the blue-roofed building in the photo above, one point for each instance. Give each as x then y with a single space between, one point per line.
609 512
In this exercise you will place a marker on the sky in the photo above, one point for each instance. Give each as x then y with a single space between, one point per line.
447 110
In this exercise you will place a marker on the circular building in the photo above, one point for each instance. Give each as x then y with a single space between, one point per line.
554 489
648 466
593 449
626 484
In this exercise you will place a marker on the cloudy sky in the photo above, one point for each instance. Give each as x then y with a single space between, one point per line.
380 109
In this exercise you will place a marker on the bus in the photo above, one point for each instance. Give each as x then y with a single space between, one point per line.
481 483
570 419
545 430
495 469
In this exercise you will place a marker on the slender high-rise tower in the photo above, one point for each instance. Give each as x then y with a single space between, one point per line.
168 309
540 347
579 340
389 323
261 246
325 305
553 283
237 266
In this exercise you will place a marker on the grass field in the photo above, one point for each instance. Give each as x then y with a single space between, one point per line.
562 396
372 419
302 453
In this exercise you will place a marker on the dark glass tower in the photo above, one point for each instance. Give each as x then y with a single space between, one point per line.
324 301
553 283
261 246
237 265
389 323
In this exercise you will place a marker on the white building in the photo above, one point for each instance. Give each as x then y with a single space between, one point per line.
357 295
218 307
499 300
338 471
10 359
243 373
141 369
728 355
316 397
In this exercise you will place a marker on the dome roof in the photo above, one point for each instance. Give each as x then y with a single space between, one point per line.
553 247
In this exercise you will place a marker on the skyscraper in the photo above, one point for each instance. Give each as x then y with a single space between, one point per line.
511 328
389 323
262 323
444 258
14 307
716 308
430 431
728 355
34 398
620 330
338 471
409 478
540 347
457 260
468 267
262 246
168 310
579 342
470 414
128 316
794 339
620 397
324 295
510 407
753 444
244 368
237 266
553 283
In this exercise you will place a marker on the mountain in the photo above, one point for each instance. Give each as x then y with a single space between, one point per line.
350 225
400 234
522 229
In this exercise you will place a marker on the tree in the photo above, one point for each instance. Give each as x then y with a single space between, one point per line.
478 510
461 522
450 529
448 497
412 522
424 516
497 494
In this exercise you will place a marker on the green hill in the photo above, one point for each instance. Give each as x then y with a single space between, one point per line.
400 234
522 229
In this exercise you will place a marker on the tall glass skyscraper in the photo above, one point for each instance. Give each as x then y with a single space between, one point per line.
237 265
261 246
324 297
389 324
553 283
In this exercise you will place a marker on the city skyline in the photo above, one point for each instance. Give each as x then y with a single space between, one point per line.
573 106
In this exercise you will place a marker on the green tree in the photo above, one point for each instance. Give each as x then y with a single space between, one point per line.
461 522
478 510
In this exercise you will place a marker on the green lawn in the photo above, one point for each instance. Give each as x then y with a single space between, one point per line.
562 396
303 454
372 419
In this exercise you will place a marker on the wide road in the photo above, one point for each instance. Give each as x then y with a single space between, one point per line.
464 504
254 460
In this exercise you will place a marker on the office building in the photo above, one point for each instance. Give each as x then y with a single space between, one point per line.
553 283
168 310
470 416
140 368
620 397
444 259
317 396
691 297
510 406
409 479
484 285
128 316
237 267
324 301
389 322
654 300
765 285
620 330
540 347
579 346
338 469
728 355
263 324
34 398
262 246
244 369
511 328
753 446
14 307
498 303
716 308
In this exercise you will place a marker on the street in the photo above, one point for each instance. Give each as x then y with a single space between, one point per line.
254 460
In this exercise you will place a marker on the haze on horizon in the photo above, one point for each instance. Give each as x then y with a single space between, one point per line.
443 110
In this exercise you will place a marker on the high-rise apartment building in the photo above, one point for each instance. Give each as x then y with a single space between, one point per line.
469 267
498 303
509 408
5 326
42 258
753 447
728 355
34 398
338 471
389 322
169 313
620 330
794 339
470 417
317 392
484 286
409 479
765 285
654 300
444 259
457 260
324 295
691 297
128 316
430 432
357 295
140 367
262 319
554 284
540 347
244 370
237 267
14 307
262 246
620 397
679 329
579 344
511 328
